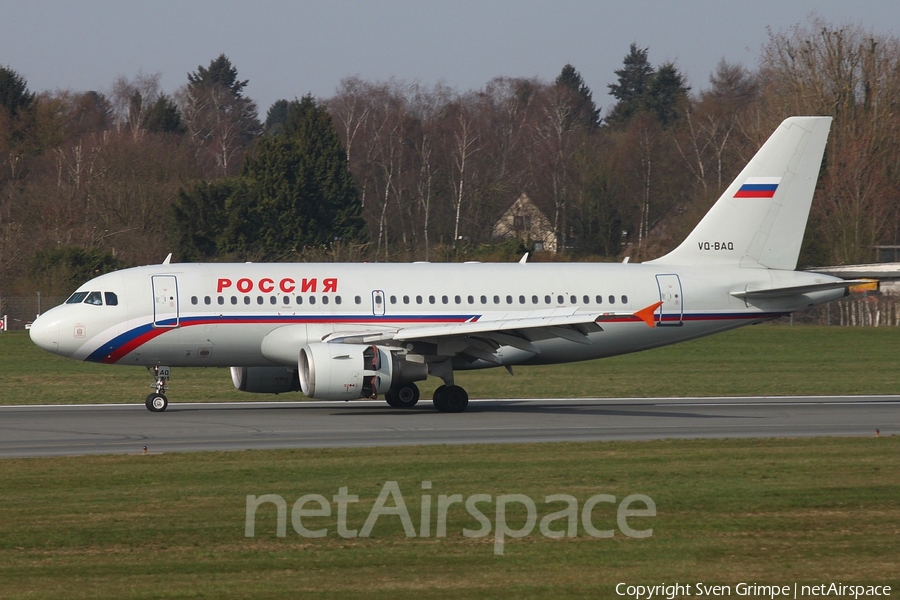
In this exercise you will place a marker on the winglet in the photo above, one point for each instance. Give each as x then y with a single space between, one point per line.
647 314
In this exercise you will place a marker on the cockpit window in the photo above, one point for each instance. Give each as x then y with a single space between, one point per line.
77 298
94 298
111 299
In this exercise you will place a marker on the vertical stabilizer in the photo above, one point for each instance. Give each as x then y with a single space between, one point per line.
760 219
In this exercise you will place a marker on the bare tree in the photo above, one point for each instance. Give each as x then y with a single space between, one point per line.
132 101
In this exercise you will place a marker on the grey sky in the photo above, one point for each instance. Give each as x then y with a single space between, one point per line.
289 48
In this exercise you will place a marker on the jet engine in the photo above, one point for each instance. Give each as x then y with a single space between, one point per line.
265 380
349 371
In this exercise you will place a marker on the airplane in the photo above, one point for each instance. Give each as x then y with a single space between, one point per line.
348 331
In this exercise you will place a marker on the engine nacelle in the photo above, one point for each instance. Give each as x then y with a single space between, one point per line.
350 371
265 380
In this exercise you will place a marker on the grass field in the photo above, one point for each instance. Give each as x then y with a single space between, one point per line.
770 511
761 360
728 511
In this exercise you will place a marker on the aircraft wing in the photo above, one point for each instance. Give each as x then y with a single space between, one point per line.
480 339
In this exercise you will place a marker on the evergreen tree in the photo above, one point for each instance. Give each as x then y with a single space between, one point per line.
586 112
665 93
16 112
296 190
199 219
14 94
634 78
277 116
219 118
163 117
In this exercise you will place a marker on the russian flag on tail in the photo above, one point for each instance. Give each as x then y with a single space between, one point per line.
758 187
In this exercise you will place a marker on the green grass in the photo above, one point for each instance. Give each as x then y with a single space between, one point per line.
761 360
172 526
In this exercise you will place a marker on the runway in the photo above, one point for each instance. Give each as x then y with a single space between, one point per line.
125 429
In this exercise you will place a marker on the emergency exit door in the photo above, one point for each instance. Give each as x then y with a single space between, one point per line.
377 302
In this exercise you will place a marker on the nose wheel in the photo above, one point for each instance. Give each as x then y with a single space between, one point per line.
157 401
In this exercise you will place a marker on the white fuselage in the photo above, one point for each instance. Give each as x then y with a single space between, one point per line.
219 315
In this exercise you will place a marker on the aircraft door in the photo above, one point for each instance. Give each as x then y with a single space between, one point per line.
165 301
671 312
378 302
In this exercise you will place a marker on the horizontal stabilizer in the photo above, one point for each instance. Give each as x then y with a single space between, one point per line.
796 290
875 271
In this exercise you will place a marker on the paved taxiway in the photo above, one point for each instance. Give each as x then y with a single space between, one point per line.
111 429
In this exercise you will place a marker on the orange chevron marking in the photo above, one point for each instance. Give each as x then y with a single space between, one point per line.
647 314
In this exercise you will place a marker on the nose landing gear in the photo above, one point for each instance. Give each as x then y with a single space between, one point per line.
157 401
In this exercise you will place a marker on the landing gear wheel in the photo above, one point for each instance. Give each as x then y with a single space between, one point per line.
404 396
451 398
156 402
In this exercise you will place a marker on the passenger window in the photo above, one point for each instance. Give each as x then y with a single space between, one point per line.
299 299
560 299
599 299
324 299
405 299
534 299
247 300
509 300
496 299
547 300
206 300
418 299
457 299
286 300
273 300
445 300
484 299
587 299
337 300
624 299
259 300
612 299
234 299
220 300
312 299
471 299
430 299
94 298
358 300
393 299
194 300
521 299
573 299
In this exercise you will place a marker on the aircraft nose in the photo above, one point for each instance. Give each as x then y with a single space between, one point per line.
44 333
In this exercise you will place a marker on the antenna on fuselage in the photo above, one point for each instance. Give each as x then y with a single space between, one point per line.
168 259
524 259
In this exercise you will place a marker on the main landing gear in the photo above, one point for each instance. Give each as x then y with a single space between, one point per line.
404 396
451 398
157 401
447 398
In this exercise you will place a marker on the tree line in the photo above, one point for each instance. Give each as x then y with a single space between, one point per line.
392 170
